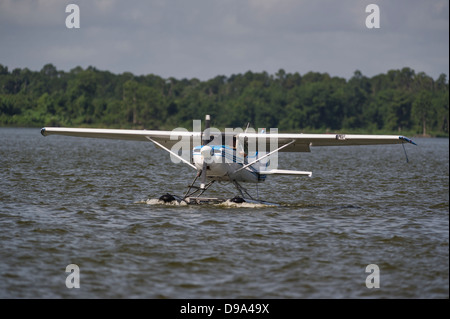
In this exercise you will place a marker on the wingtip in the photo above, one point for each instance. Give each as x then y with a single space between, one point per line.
403 138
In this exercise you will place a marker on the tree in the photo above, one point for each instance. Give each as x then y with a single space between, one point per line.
397 100
422 110
130 100
49 70
3 70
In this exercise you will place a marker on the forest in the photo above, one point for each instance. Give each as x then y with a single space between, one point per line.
399 101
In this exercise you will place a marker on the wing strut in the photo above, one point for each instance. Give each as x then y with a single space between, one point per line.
173 153
405 139
268 154
406 155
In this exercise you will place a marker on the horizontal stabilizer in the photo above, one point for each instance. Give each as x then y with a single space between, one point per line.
285 172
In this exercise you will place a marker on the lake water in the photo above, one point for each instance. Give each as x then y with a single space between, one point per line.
90 202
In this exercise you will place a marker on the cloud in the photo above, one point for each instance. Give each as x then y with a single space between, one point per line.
204 38
39 13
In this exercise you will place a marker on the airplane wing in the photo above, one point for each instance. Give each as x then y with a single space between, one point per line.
299 142
166 138
303 142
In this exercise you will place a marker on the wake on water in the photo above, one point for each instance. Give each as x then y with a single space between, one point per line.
227 203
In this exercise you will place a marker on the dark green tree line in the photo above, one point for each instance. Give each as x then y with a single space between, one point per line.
398 101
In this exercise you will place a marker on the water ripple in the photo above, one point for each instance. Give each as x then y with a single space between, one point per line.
93 203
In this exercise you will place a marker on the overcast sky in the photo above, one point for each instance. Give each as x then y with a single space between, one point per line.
205 38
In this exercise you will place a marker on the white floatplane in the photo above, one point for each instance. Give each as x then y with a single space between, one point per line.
235 155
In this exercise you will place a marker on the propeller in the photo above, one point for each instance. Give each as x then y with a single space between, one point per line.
205 151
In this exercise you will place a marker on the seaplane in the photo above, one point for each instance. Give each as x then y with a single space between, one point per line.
237 156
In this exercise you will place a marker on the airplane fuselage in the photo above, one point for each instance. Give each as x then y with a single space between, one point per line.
223 163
